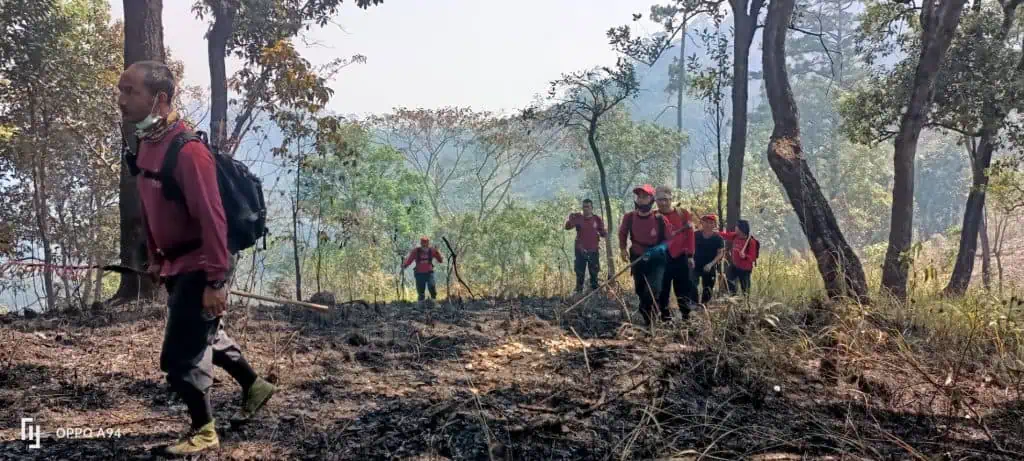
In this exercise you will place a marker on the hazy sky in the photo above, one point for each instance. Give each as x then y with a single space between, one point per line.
488 54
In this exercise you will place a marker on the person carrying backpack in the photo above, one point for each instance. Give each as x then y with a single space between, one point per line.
189 238
744 253
589 230
648 250
424 256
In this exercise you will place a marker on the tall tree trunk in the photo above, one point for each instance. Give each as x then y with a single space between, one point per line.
745 23
939 22
973 215
39 195
679 106
217 41
295 231
609 220
993 116
143 40
839 265
986 253
718 137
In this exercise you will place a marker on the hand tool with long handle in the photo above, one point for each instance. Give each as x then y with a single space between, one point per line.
603 284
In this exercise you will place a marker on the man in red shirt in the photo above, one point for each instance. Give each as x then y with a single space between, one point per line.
680 256
744 253
187 248
648 237
424 256
589 230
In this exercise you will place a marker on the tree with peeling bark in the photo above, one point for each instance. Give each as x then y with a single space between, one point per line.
839 265
975 94
248 29
580 101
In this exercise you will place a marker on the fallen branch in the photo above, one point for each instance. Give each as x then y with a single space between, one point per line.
571 415
455 265
586 360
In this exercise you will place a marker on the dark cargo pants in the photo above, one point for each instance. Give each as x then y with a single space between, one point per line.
587 260
424 282
647 283
677 276
193 345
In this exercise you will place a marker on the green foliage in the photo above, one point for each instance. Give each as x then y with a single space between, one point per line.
975 87
59 164
633 153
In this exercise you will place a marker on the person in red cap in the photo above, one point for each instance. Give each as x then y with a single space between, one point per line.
424 256
743 255
709 251
680 256
589 230
648 250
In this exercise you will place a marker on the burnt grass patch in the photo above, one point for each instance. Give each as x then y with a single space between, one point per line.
518 379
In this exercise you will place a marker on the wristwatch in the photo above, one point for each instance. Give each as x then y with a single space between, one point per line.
215 284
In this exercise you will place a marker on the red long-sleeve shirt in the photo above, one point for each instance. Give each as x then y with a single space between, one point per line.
169 224
424 257
681 238
743 260
588 231
645 232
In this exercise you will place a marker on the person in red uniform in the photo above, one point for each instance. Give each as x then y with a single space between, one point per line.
589 230
744 253
187 249
424 256
680 256
647 234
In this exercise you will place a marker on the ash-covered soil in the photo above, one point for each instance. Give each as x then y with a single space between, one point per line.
487 380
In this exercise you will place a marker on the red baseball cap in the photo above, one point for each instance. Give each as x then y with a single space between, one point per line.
709 217
646 189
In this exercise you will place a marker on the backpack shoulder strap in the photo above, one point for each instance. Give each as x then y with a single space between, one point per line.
130 158
661 229
171 189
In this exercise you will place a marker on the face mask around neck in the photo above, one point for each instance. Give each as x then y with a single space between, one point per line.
150 121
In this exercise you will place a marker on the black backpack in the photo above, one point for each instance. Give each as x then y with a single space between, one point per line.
241 192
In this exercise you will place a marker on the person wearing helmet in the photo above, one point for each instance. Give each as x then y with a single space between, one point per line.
424 256
647 234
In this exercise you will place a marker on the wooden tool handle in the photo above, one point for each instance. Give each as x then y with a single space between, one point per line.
318 307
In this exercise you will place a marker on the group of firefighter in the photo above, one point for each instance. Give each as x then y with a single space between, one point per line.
659 241
666 253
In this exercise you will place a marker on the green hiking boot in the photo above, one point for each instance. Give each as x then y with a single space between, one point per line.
257 396
196 441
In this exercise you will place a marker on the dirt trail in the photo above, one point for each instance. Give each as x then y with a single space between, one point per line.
487 380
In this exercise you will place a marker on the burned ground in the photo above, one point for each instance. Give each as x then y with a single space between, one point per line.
509 380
